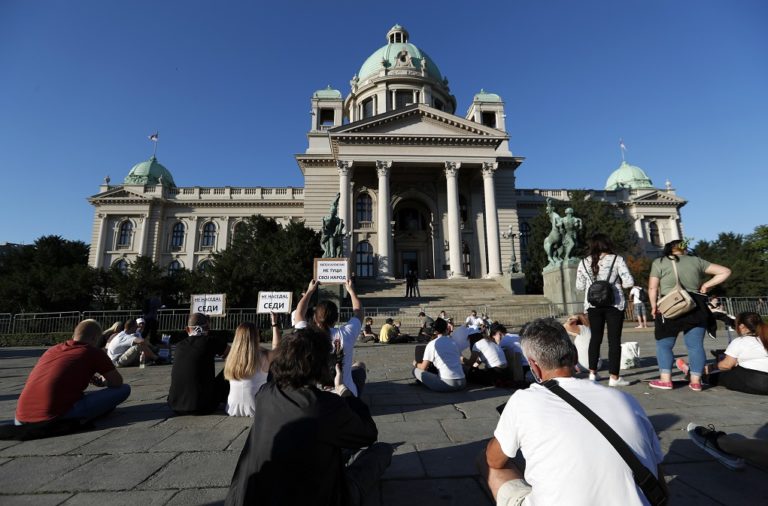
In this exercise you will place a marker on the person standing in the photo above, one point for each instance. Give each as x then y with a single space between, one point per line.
692 273
639 296
603 264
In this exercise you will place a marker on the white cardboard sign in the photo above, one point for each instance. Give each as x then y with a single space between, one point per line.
274 302
211 304
330 271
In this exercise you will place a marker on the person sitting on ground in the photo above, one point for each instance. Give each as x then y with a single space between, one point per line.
488 353
247 366
368 335
425 332
125 349
639 296
390 333
303 427
473 321
108 334
443 353
55 387
744 365
324 317
460 336
140 328
196 389
577 326
554 438
511 342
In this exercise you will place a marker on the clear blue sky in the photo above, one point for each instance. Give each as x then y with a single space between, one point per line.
228 86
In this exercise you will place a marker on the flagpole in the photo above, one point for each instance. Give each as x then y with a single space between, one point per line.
154 152
622 148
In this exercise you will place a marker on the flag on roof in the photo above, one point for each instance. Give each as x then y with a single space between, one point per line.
154 137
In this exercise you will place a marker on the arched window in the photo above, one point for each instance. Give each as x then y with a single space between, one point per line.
177 236
124 236
364 208
239 229
364 260
653 233
209 235
204 265
121 265
174 267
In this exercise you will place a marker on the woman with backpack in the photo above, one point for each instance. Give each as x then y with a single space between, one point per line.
601 275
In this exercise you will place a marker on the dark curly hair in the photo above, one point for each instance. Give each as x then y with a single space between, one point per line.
302 359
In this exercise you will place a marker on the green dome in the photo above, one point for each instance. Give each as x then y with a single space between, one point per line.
149 172
628 176
484 96
389 53
327 93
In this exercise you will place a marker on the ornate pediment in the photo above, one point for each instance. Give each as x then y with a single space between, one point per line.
117 194
658 197
417 120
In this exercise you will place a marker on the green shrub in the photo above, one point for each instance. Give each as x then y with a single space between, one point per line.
48 339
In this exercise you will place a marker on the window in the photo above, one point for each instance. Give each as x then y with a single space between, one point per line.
653 233
463 209
326 117
368 108
410 219
364 208
124 236
239 229
209 235
174 267
364 260
177 237
489 119
525 234
121 265
204 265
403 98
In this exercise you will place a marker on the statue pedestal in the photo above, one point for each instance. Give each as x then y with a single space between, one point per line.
334 293
560 287
513 283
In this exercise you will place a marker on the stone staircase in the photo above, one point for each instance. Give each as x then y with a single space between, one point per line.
457 297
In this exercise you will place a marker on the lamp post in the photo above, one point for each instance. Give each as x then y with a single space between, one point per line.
513 265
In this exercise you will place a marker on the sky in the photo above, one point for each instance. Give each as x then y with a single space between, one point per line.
228 84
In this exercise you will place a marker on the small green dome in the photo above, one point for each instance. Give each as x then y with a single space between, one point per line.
149 172
484 96
628 176
390 52
327 93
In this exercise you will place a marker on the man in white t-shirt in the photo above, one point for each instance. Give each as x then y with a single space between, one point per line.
125 349
636 293
443 353
473 321
554 437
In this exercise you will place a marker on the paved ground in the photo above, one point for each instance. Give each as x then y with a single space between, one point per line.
140 454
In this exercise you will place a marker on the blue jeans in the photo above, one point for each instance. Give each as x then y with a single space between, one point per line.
98 402
694 341
438 384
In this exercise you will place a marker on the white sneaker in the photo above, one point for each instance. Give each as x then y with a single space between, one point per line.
593 376
618 382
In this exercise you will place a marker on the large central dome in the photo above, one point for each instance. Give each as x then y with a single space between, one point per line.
387 56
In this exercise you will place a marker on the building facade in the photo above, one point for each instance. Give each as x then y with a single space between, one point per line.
420 187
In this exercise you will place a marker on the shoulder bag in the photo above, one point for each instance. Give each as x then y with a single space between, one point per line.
677 302
650 485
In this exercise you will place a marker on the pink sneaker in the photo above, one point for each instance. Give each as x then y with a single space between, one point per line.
661 385
696 387
680 363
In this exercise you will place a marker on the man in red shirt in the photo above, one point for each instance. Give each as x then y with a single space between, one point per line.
55 387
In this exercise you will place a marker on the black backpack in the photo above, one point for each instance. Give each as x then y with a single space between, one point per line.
643 296
600 292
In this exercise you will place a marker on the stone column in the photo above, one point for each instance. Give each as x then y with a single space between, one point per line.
383 226
345 174
454 232
491 220
191 242
101 241
144 220
639 226
674 229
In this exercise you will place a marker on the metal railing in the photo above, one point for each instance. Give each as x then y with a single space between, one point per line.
176 319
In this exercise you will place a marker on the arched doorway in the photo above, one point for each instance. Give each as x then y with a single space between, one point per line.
413 239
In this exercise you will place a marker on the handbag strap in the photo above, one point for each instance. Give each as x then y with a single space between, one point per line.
589 274
644 478
677 277
611 269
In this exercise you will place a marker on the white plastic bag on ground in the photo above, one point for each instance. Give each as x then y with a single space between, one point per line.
630 355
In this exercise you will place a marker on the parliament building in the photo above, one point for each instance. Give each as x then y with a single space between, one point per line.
421 187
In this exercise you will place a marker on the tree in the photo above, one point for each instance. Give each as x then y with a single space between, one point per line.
50 275
597 216
264 256
143 279
746 259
